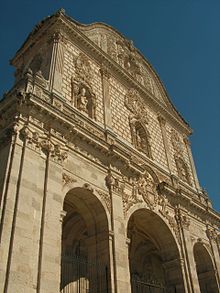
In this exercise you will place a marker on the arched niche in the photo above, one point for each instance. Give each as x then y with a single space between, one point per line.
85 244
205 269
140 136
154 256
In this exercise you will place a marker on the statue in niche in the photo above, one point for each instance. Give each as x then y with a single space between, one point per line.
139 135
84 99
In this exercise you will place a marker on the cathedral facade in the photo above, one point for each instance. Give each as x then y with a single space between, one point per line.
98 188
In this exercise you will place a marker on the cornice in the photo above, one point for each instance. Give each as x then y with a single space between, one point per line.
194 207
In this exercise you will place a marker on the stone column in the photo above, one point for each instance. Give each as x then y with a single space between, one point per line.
193 168
56 66
162 123
106 97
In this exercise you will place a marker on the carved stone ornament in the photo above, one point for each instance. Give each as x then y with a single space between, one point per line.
83 68
146 187
114 184
138 119
176 142
83 97
212 234
106 198
182 169
135 104
36 142
130 198
182 219
128 57
67 179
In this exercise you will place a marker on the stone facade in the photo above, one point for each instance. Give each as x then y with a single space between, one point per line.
99 191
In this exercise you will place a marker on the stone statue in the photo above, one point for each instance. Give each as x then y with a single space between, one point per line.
82 100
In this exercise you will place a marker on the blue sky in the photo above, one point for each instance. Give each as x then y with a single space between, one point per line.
180 38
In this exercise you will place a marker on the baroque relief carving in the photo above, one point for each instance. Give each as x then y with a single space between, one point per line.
138 120
106 198
83 97
146 187
182 169
212 234
182 219
67 179
176 142
37 142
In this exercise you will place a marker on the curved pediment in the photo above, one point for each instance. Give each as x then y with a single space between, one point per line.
126 55
123 52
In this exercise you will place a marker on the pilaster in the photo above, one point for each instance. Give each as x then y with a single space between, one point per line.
193 168
120 252
162 123
57 63
106 97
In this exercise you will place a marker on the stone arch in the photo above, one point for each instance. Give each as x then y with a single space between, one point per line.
154 255
205 269
85 242
70 183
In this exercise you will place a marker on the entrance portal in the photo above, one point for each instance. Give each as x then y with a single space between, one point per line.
85 253
205 270
153 255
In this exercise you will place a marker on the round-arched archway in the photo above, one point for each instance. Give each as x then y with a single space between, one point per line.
154 256
85 244
205 269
